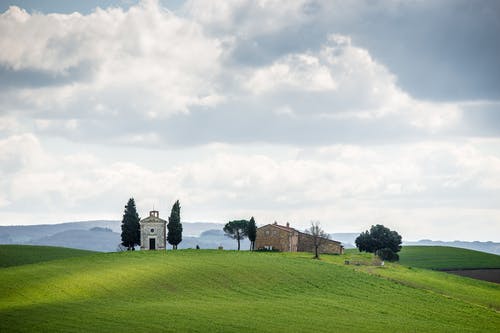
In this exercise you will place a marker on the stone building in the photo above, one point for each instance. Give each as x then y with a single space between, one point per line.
287 239
153 232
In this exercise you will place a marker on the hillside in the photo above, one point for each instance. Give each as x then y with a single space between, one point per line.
442 257
227 291
16 255
488 247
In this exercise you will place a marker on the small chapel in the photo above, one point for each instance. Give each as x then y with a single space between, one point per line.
153 232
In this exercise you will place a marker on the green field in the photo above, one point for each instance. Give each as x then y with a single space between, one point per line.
15 255
228 291
444 257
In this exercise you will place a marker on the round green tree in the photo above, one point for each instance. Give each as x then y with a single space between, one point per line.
381 241
236 230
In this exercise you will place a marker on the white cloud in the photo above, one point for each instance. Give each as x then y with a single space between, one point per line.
299 72
350 83
143 61
147 64
76 88
347 187
247 18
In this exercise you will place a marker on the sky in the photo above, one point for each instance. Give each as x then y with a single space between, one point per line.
348 113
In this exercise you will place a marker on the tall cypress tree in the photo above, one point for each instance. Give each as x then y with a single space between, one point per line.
131 230
252 233
174 226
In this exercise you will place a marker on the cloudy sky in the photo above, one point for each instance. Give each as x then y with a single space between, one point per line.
350 113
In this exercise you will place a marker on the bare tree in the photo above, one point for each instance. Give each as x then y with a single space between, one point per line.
318 236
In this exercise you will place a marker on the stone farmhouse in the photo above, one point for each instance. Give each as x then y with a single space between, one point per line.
287 239
153 232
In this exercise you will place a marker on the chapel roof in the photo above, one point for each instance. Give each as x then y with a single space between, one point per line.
154 217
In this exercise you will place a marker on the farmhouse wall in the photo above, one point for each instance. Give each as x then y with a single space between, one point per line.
276 237
286 239
306 244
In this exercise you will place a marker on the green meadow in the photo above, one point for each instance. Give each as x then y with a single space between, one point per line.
229 291
445 257
15 255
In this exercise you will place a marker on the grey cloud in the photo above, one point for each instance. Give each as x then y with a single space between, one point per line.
118 110
443 50
34 78
236 123
446 51
228 125
482 119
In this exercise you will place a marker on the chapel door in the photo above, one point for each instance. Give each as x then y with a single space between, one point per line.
152 243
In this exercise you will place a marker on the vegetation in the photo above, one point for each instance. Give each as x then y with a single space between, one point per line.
448 285
190 290
444 257
174 226
387 254
318 235
381 241
237 230
252 233
131 230
15 255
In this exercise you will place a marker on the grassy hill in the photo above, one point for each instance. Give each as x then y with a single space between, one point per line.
443 257
227 291
15 255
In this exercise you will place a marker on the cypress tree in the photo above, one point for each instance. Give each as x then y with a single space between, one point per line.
252 233
174 226
131 230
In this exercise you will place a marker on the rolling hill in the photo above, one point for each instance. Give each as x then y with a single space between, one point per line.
104 236
16 255
447 258
227 291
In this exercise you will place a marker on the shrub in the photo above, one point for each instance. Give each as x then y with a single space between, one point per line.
387 254
263 249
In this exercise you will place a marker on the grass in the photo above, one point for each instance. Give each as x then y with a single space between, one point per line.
15 255
445 258
228 291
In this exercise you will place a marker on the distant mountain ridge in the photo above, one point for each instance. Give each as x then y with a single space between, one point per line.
104 235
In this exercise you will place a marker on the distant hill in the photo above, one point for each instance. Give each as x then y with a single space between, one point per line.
94 240
348 240
447 258
212 239
104 236
22 234
207 235
488 247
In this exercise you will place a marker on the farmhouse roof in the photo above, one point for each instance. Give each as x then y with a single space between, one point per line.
287 228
